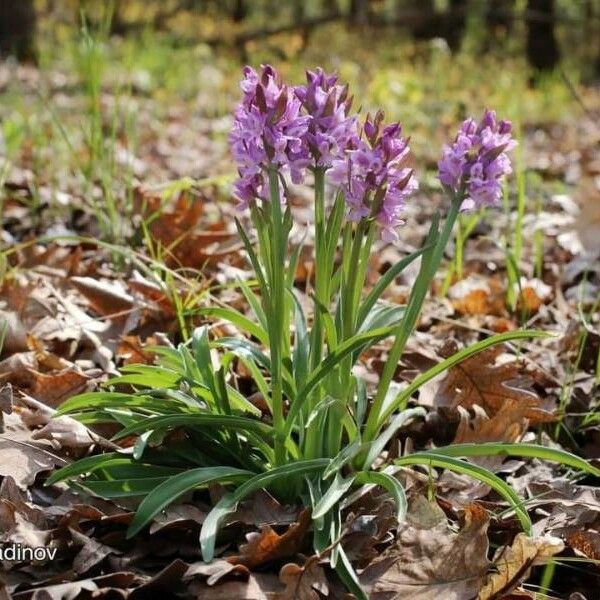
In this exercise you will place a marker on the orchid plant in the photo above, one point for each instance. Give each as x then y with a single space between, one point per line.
319 432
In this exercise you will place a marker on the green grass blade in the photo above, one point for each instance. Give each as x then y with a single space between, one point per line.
384 282
334 493
334 359
238 319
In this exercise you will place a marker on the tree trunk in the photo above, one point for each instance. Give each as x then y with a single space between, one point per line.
455 22
359 12
542 48
240 11
499 16
17 29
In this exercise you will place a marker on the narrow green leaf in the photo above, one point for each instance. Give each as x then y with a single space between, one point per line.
521 450
174 487
334 493
460 466
240 320
197 420
389 483
334 359
384 281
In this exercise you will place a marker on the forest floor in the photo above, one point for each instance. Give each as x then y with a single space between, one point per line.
118 227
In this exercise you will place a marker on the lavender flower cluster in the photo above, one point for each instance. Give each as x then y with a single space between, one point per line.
476 162
294 129
373 175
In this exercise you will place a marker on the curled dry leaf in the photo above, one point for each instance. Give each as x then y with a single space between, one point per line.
267 545
107 299
513 563
478 295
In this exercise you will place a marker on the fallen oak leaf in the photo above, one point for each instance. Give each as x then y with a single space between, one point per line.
92 552
478 380
429 560
267 545
53 388
216 570
514 562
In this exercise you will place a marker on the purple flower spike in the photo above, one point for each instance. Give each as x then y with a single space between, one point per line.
477 160
374 176
268 131
330 130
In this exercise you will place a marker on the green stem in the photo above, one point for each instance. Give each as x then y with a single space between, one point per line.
277 303
321 269
322 275
413 310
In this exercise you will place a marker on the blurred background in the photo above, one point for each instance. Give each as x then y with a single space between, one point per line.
96 96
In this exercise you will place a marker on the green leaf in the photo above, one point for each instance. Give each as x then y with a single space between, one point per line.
238 319
301 342
346 454
123 488
334 359
334 493
174 487
111 465
384 282
226 422
460 466
521 450
389 483
252 300
380 442
228 503
348 576
149 376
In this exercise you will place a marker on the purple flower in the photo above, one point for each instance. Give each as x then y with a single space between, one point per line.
268 132
374 177
330 129
476 162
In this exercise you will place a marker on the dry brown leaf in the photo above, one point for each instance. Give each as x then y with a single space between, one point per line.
267 545
586 543
216 570
478 295
91 554
107 299
20 457
506 425
513 563
131 351
303 583
429 561
480 381
53 388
